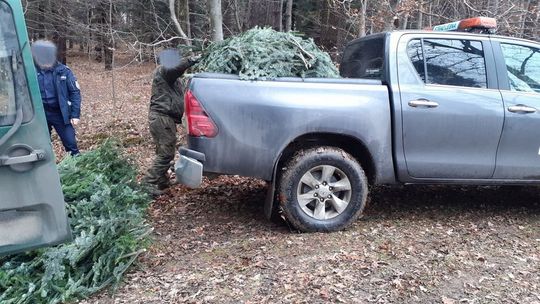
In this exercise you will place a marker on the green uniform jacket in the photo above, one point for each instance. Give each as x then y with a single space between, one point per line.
167 97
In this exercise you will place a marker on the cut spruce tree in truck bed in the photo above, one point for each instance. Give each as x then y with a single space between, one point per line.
263 53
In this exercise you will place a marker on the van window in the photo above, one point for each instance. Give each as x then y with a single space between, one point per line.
449 62
13 85
7 91
523 66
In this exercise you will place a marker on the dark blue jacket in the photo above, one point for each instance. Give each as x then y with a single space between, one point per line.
68 92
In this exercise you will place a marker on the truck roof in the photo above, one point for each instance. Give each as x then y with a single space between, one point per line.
449 34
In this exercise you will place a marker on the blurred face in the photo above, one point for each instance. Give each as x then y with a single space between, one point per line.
170 58
45 54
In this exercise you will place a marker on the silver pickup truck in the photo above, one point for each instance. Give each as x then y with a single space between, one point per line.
412 108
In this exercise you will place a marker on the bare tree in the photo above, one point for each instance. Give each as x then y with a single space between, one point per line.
288 15
216 19
174 18
279 12
362 18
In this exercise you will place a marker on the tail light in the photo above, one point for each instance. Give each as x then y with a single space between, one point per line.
199 123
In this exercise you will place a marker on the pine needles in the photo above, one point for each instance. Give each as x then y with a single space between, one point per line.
267 54
107 210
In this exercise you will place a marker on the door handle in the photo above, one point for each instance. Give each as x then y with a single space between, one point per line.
35 156
423 103
521 109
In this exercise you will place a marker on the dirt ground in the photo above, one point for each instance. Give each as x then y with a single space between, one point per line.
415 244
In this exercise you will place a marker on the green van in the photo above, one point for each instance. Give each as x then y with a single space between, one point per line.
32 208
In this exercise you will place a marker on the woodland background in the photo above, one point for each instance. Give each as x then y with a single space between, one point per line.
102 28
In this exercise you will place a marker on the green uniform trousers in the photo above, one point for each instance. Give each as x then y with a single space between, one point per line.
163 130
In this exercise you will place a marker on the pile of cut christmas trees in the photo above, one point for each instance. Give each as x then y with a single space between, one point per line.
263 53
107 211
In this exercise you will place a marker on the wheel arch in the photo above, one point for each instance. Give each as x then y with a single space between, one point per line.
352 145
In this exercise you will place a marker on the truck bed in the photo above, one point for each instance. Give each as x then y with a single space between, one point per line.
257 120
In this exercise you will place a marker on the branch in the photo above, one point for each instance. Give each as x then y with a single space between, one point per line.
162 41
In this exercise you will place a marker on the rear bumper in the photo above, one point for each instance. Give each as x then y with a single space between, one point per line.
189 168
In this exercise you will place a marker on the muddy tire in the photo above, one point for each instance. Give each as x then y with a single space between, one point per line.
322 189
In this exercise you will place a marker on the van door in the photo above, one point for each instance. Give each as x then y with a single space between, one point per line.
452 110
32 209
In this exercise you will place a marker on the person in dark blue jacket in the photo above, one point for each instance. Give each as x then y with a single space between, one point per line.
60 93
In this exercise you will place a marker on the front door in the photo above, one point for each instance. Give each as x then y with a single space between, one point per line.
32 210
519 151
452 110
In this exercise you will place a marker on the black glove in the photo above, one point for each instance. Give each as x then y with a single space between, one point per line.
194 59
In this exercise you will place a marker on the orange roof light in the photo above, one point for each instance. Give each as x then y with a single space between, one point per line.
478 25
480 22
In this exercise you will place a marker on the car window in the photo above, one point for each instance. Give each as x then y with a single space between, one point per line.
13 85
449 62
416 54
364 59
523 66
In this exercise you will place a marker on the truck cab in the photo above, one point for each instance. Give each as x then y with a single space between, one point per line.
32 208
466 106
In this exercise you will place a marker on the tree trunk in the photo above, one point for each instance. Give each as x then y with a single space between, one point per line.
105 37
280 16
288 16
216 19
184 12
112 45
247 15
537 19
107 52
526 9
430 20
362 17
60 41
236 12
405 22
420 24
172 9
493 6
59 34
89 21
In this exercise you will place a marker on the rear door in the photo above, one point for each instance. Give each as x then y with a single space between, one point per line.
32 210
452 110
519 151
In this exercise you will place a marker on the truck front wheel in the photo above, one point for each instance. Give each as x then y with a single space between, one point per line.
322 189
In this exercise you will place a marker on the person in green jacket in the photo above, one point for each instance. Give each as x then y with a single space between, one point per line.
166 111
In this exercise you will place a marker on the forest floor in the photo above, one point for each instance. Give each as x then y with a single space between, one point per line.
213 245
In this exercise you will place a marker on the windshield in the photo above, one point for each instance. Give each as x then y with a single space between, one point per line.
13 85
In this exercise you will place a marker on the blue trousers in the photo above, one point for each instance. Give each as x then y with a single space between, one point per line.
65 132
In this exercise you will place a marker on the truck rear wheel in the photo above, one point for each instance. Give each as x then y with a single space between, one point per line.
322 189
